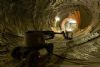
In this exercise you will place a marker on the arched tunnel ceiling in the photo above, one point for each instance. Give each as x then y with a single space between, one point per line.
19 16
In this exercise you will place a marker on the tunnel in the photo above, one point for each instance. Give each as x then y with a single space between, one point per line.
22 22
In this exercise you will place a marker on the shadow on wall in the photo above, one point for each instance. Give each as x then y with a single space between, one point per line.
86 17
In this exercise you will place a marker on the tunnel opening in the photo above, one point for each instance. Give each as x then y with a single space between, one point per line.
80 13
71 23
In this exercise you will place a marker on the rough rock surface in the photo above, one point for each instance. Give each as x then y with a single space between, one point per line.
19 16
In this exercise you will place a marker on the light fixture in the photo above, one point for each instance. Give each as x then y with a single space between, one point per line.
71 25
71 21
57 19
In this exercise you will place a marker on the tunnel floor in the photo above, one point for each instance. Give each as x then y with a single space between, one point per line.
83 55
